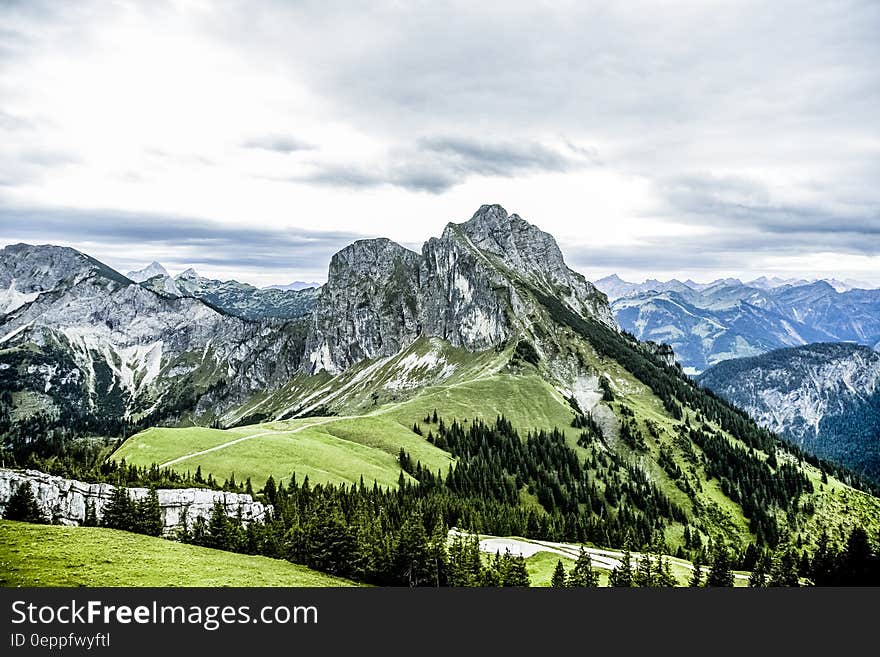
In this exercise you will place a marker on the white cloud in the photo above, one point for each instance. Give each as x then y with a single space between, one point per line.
613 127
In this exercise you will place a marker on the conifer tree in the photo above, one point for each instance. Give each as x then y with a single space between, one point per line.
758 576
720 573
516 573
622 575
558 579
22 505
783 571
645 575
696 575
413 555
149 515
120 511
90 519
219 531
583 575
270 491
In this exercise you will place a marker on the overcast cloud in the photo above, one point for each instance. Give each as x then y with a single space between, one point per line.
687 139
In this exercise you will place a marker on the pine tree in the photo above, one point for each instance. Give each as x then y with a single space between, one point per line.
120 511
696 576
149 515
558 579
583 575
22 505
438 559
856 567
270 490
822 565
90 518
783 571
516 572
665 578
645 575
622 575
758 576
219 530
720 574
199 535
413 555
465 567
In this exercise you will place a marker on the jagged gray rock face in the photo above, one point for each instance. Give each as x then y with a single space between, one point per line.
369 307
91 343
64 500
534 256
26 271
463 299
468 287
81 341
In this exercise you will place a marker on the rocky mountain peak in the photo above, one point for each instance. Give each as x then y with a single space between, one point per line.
368 254
188 275
30 269
462 288
489 220
520 246
148 272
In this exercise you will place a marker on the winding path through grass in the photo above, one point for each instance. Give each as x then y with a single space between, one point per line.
329 420
255 435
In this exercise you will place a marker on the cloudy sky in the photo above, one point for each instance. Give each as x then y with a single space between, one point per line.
254 139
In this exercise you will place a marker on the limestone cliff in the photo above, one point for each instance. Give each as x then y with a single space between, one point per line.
64 500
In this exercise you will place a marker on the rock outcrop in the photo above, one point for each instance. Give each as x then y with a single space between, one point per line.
370 306
64 500
466 287
661 350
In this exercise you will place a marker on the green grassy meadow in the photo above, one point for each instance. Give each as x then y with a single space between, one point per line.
327 450
51 555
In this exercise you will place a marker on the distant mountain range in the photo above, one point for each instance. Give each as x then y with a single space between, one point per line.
823 397
296 285
239 299
615 287
707 324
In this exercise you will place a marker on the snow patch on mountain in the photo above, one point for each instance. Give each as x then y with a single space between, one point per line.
12 299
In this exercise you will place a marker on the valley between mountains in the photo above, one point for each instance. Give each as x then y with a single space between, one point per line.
418 401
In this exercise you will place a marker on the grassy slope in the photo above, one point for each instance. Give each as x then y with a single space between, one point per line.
337 450
344 449
48 555
528 402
